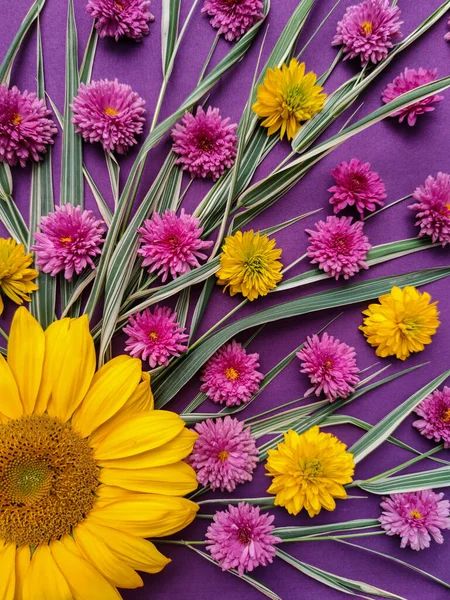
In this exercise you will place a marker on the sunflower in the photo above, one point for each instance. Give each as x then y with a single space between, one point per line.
87 467
16 278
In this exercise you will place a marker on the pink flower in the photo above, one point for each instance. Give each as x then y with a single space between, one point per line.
224 454
330 365
405 82
416 517
368 30
69 239
447 35
171 244
155 336
241 538
433 208
206 144
233 17
435 413
123 18
338 246
25 129
109 112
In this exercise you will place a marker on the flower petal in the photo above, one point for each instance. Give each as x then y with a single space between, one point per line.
43 578
23 557
10 403
8 571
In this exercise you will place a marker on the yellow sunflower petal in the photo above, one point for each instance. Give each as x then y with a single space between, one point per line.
43 578
10 404
23 557
7 571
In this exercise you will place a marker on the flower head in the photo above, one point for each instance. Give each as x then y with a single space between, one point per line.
109 112
249 264
309 471
233 18
403 322
127 18
330 365
339 246
224 454
416 517
432 208
205 143
16 277
241 538
69 239
288 97
405 82
25 127
434 411
447 35
368 30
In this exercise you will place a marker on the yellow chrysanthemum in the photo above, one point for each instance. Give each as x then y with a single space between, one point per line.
249 264
403 322
309 471
87 468
288 97
16 279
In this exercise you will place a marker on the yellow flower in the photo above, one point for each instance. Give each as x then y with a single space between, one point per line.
402 323
249 265
309 471
287 97
16 279
87 468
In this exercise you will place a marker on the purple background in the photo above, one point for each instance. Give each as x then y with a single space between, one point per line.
403 157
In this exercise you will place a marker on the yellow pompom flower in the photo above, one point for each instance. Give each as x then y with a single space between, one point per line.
309 471
288 97
16 278
403 322
249 264
87 468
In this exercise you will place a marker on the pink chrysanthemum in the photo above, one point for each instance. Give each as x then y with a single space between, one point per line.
155 336
405 82
435 413
224 454
241 538
338 246
330 365
433 208
206 144
231 375
171 244
368 30
25 129
68 241
356 185
124 18
416 517
233 17
109 112
447 35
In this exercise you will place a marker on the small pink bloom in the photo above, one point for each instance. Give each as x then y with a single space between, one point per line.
432 208
121 18
233 17
447 35
435 413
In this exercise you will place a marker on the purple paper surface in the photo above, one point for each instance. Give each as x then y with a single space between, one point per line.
403 157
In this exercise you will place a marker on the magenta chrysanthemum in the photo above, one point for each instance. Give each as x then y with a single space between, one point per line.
368 30
171 244
68 241
109 112
155 336
231 375
339 246
233 18
224 454
416 517
25 129
206 144
356 185
434 411
241 538
405 82
124 18
330 365
447 35
432 208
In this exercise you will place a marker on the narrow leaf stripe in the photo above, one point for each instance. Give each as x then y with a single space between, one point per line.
413 482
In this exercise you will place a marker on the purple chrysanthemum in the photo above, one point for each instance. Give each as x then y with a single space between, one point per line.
109 112
330 365
405 82
206 144
25 129
339 246
368 30
69 239
155 336
435 417
416 517
224 454
171 244
432 208
123 18
233 17
241 538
